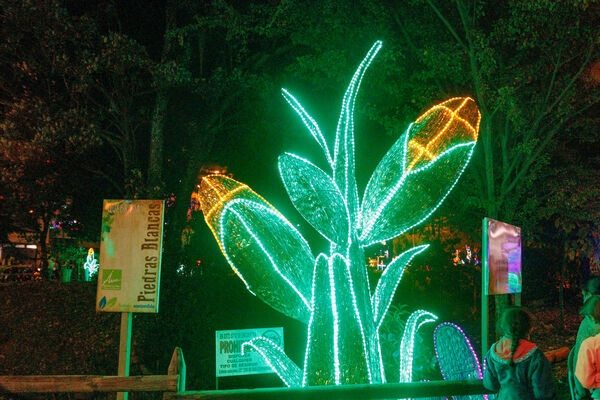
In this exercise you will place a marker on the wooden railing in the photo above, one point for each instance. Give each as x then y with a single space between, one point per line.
375 391
173 387
173 382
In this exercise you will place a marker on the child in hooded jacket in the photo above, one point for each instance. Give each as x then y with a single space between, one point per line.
515 367
587 369
587 328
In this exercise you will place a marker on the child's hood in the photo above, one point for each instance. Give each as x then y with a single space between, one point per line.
501 350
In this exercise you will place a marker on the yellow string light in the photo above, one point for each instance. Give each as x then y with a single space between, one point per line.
217 185
471 116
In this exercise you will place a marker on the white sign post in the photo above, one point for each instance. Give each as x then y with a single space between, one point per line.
130 257
228 352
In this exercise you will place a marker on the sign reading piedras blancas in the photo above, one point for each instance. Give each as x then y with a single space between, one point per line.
130 256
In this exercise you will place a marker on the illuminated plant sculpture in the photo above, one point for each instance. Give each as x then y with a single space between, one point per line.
91 265
331 293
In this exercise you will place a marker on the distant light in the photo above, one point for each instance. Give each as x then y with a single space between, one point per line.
90 265
31 246
20 246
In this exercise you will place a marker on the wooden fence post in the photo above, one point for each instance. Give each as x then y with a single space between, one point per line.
176 367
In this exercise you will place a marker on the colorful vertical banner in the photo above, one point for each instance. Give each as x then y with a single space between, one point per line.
130 256
502 247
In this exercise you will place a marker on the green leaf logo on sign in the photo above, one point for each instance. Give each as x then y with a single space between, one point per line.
111 279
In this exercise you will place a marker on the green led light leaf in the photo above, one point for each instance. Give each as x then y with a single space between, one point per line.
414 197
290 373
316 196
420 170
309 122
407 345
386 287
344 165
214 192
254 235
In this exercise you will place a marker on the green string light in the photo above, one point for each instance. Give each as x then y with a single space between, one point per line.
331 293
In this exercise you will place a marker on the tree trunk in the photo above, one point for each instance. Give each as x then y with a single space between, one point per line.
43 233
155 184
178 219
561 287
155 163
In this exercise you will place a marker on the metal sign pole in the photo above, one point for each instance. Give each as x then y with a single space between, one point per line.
124 349
484 287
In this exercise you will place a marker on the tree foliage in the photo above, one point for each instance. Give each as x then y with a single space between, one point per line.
45 124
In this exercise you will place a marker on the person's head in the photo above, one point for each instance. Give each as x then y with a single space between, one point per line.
591 287
514 323
591 309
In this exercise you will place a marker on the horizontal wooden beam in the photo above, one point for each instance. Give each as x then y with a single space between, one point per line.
87 383
362 391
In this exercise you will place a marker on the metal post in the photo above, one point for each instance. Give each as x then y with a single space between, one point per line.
124 349
484 287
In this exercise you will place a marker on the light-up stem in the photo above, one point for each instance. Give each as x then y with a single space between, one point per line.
357 314
309 122
336 323
311 320
357 269
381 368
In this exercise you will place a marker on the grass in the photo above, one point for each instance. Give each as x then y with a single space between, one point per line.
53 328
